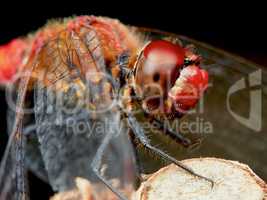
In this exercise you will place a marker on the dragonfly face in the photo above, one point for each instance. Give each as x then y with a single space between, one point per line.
169 81
165 78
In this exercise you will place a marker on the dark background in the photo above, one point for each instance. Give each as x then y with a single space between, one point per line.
239 29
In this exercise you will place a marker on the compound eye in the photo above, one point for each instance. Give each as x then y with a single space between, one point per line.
160 64
165 52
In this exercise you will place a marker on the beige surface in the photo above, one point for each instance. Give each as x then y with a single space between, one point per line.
233 181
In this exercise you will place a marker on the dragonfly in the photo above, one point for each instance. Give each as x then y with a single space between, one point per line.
91 79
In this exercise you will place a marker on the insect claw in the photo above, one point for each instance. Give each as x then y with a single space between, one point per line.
206 179
211 182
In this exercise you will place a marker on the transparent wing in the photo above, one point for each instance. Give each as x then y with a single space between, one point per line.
234 105
13 183
220 116
33 158
10 168
74 112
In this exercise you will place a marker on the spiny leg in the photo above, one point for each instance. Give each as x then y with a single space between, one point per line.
139 169
162 126
96 164
173 134
140 135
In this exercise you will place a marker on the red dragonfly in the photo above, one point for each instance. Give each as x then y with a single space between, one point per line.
86 70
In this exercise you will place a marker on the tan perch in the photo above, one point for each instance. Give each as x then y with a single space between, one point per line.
233 181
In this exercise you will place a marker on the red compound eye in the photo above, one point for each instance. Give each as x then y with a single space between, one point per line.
160 65
164 51
158 69
189 87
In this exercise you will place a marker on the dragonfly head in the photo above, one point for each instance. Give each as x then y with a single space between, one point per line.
169 78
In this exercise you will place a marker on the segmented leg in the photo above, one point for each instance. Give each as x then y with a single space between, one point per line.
140 135
173 134
139 169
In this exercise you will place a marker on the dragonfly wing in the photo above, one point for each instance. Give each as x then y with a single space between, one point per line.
10 168
69 127
33 158
13 182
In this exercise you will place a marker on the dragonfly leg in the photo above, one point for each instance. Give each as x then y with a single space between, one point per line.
96 164
173 134
139 133
139 169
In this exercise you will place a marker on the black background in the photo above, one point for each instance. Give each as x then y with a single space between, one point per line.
238 28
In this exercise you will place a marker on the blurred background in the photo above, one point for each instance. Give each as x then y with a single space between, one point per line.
239 29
